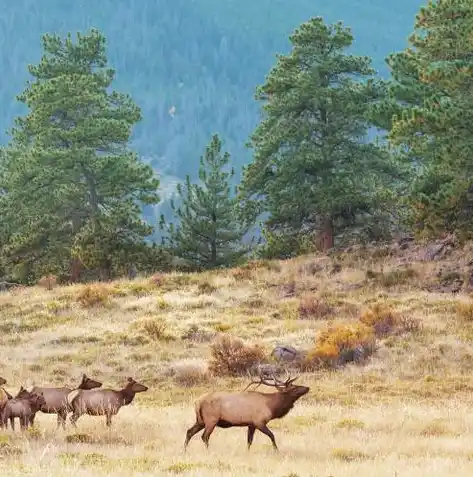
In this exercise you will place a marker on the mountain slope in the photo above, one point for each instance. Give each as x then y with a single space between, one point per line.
203 57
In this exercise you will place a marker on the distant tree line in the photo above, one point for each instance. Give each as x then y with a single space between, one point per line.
72 191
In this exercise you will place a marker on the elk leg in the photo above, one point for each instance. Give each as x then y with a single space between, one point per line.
264 429
192 432
24 421
61 419
206 435
108 418
74 419
32 419
251 434
12 423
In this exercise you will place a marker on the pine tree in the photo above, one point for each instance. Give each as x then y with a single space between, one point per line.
73 187
313 168
430 116
211 227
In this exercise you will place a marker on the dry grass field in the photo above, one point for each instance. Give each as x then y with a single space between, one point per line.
406 410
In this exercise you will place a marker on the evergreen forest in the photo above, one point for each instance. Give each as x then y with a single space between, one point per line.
199 134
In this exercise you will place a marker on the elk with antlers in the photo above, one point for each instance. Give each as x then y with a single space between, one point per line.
252 409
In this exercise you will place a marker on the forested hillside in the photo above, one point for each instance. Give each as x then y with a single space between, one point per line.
303 86
203 58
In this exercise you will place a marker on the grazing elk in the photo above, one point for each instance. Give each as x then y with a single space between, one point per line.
250 409
23 408
102 402
56 399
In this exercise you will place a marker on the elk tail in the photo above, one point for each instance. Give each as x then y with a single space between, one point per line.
72 395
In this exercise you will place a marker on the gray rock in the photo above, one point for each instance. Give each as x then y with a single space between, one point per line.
285 353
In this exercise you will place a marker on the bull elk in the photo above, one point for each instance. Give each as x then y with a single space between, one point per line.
252 409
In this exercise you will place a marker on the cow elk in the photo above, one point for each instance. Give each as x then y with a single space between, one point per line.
56 399
251 409
102 402
23 408
4 394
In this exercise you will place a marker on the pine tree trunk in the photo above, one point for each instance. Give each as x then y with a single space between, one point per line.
76 269
106 271
327 240
213 251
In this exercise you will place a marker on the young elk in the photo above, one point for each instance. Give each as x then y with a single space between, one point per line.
4 395
56 399
100 402
250 409
23 408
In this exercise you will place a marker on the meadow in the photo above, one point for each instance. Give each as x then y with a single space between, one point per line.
404 410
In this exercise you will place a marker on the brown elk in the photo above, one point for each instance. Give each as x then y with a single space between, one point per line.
23 408
100 402
252 409
4 394
56 399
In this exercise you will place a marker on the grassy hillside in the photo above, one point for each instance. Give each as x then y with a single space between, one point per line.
204 57
404 410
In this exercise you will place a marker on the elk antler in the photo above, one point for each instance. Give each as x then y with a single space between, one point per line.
284 384
261 381
276 383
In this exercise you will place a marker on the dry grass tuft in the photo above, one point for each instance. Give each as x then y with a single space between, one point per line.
93 295
464 310
190 372
48 282
350 424
206 287
314 308
391 278
348 455
436 428
231 357
156 328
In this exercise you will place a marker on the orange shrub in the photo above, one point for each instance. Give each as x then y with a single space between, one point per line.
381 318
342 343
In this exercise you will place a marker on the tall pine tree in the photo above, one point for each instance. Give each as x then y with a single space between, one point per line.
211 226
313 168
430 116
74 189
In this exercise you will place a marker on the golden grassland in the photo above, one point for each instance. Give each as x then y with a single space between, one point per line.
406 411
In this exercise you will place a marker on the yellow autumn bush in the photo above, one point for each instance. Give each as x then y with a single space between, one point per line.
341 343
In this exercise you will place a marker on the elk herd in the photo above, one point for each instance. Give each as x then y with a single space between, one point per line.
251 409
